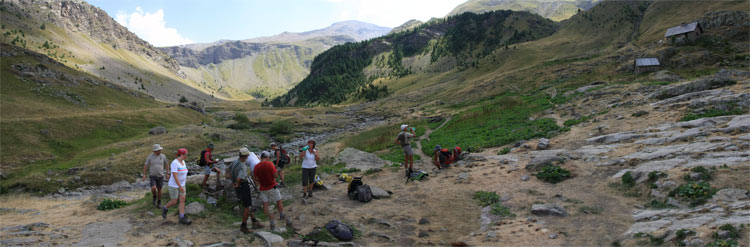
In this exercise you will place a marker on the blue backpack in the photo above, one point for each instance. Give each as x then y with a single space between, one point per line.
340 230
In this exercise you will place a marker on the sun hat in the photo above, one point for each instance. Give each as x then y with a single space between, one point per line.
244 151
157 147
403 126
181 151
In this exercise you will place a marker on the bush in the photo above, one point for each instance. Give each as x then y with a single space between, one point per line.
282 127
653 176
682 234
696 192
628 179
109 204
553 174
241 118
183 99
656 204
486 198
723 243
705 174
734 233
571 122
501 210
732 110
504 151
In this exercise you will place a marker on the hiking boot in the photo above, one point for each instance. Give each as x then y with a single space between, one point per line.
258 225
243 229
304 195
273 226
158 204
185 221
153 201
309 194
164 213
406 171
282 185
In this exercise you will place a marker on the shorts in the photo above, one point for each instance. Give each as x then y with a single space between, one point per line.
174 192
280 166
407 150
157 181
308 176
271 195
207 169
245 194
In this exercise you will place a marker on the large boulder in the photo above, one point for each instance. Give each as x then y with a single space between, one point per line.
379 193
158 130
548 209
363 161
694 86
194 208
269 239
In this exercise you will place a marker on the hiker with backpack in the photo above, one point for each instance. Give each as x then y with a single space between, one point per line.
156 163
442 157
176 186
240 182
207 162
403 139
281 160
266 174
310 160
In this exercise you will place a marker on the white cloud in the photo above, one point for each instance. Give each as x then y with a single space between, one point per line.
392 13
151 27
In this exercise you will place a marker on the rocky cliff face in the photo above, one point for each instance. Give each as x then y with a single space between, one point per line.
79 16
231 50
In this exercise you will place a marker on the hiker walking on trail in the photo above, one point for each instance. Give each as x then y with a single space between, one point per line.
177 190
404 139
281 159
265 173
240 182
207 162
310 160
156 163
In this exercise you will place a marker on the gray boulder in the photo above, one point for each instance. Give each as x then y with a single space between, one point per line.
179 242
548 209
194 208
537 163
354 158
730 195
158 130
543 144
379 193
694 86
269 239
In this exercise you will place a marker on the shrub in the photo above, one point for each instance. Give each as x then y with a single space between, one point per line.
628 179
571 122
43 26
732 109
653 176
499 209
696 192
723 243
486 198
656 204
705 174
553 174
282 127
109 204
734 233
183 99
682 234
504 151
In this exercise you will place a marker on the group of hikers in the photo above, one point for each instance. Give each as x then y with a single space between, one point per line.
263 173
242 172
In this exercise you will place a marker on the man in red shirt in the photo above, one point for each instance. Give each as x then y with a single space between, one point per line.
265 173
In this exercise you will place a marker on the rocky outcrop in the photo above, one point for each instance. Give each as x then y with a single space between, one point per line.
693 86
363 161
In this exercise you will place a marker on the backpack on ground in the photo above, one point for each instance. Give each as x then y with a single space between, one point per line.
364 193
418 176
353 185
284 157
340 230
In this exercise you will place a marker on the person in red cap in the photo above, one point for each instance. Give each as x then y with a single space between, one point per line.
176 186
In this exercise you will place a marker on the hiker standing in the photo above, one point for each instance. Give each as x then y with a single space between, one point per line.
156 163
279 162
310 160
403 139
207 162
265 174
240 182
176 186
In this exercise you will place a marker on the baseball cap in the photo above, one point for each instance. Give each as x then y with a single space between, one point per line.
181 151
265 154
403 126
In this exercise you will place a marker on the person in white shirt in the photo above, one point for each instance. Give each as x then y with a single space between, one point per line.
310 160
176 186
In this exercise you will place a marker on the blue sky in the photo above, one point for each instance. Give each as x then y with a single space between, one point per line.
174 22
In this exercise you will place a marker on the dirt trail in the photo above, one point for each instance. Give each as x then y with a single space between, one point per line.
426 159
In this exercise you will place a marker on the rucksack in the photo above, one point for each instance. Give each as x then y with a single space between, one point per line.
456 153
340 230
284 157
402 139
445 156
201 161
418 176
364 193
353 185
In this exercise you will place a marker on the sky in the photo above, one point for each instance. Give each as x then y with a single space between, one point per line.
176 22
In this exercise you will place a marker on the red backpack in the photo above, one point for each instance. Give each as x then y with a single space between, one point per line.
456 153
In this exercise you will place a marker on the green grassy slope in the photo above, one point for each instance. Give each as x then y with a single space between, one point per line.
556 10
60 118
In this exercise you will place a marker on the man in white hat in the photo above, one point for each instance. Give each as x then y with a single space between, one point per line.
156 163
404 139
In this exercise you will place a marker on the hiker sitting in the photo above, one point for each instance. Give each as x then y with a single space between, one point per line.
442 157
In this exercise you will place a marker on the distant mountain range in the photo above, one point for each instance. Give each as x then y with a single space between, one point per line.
265 66
556 10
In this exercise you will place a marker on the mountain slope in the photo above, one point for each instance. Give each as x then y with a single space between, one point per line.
556 10
344 72
267 66
84 37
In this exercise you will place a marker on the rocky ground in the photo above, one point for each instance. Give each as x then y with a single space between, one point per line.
633 131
